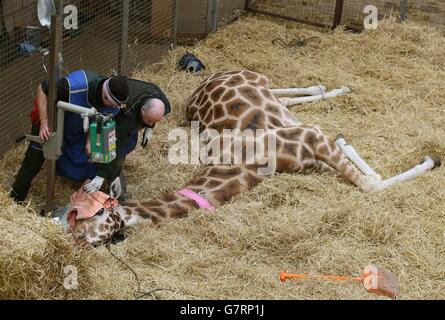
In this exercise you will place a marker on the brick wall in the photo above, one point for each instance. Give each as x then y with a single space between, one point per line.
19 13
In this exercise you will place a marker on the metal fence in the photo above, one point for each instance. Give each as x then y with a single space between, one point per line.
197 18
121 35
112 36
326 13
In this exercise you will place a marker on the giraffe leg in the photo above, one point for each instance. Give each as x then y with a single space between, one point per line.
428 163
288 102
322 167
328 152
311 91
352 155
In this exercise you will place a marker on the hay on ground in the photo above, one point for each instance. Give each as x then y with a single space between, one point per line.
317 224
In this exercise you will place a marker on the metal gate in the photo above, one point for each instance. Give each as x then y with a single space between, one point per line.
326 13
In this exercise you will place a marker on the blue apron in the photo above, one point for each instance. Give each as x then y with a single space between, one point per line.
74 162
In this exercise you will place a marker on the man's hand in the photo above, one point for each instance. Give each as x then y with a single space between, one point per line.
148 134
88 146
94 185
44 134
116 188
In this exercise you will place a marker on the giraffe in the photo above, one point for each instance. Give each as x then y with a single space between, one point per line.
243 100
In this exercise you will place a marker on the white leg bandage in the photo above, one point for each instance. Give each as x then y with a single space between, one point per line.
428 163
355 158
328 95
311 91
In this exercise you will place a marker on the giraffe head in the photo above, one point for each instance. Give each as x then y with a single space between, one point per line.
96 217
97 229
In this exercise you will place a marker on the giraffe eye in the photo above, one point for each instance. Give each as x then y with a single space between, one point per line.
100 212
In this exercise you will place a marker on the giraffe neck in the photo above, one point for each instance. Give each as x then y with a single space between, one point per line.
217 185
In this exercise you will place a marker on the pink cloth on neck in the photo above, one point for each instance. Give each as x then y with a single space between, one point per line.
200 201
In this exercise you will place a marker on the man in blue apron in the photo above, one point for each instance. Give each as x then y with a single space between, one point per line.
82 88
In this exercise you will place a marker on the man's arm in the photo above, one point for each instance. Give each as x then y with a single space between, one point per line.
42 105
88 145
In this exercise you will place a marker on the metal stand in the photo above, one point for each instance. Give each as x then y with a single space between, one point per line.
52 149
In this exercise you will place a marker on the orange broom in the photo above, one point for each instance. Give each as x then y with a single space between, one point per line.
375 280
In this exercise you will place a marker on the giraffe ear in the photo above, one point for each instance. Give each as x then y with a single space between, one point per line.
116 188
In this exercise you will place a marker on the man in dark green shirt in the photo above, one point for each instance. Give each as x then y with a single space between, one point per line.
147 105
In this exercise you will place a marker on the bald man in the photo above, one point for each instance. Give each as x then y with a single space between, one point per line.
147 105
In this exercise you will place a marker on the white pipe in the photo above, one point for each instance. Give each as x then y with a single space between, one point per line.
75 108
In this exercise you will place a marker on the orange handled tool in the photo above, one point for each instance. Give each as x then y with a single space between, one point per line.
375 280
287 276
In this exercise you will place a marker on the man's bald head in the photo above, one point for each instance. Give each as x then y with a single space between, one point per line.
153 111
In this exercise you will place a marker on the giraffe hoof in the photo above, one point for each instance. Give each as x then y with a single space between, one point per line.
347 89
437 162
340 139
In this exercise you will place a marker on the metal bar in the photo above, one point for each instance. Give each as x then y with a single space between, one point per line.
276 15
52 100
175 24
75 108
338 14
62 28
247 5
212 15
403 9
122 68
68 107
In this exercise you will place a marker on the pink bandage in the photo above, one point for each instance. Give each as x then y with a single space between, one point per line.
200 201
110 97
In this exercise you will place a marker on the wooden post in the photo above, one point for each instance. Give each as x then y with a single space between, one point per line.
175 24
52 101
338 14
403 9
122 69
212 15
247 5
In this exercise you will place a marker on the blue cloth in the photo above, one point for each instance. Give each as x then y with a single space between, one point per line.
74 162
129 145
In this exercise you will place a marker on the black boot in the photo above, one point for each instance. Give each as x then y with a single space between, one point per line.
31 165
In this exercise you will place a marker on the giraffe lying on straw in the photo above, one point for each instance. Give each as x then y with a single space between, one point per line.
243 100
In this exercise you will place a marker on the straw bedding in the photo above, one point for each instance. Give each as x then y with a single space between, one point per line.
317 223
